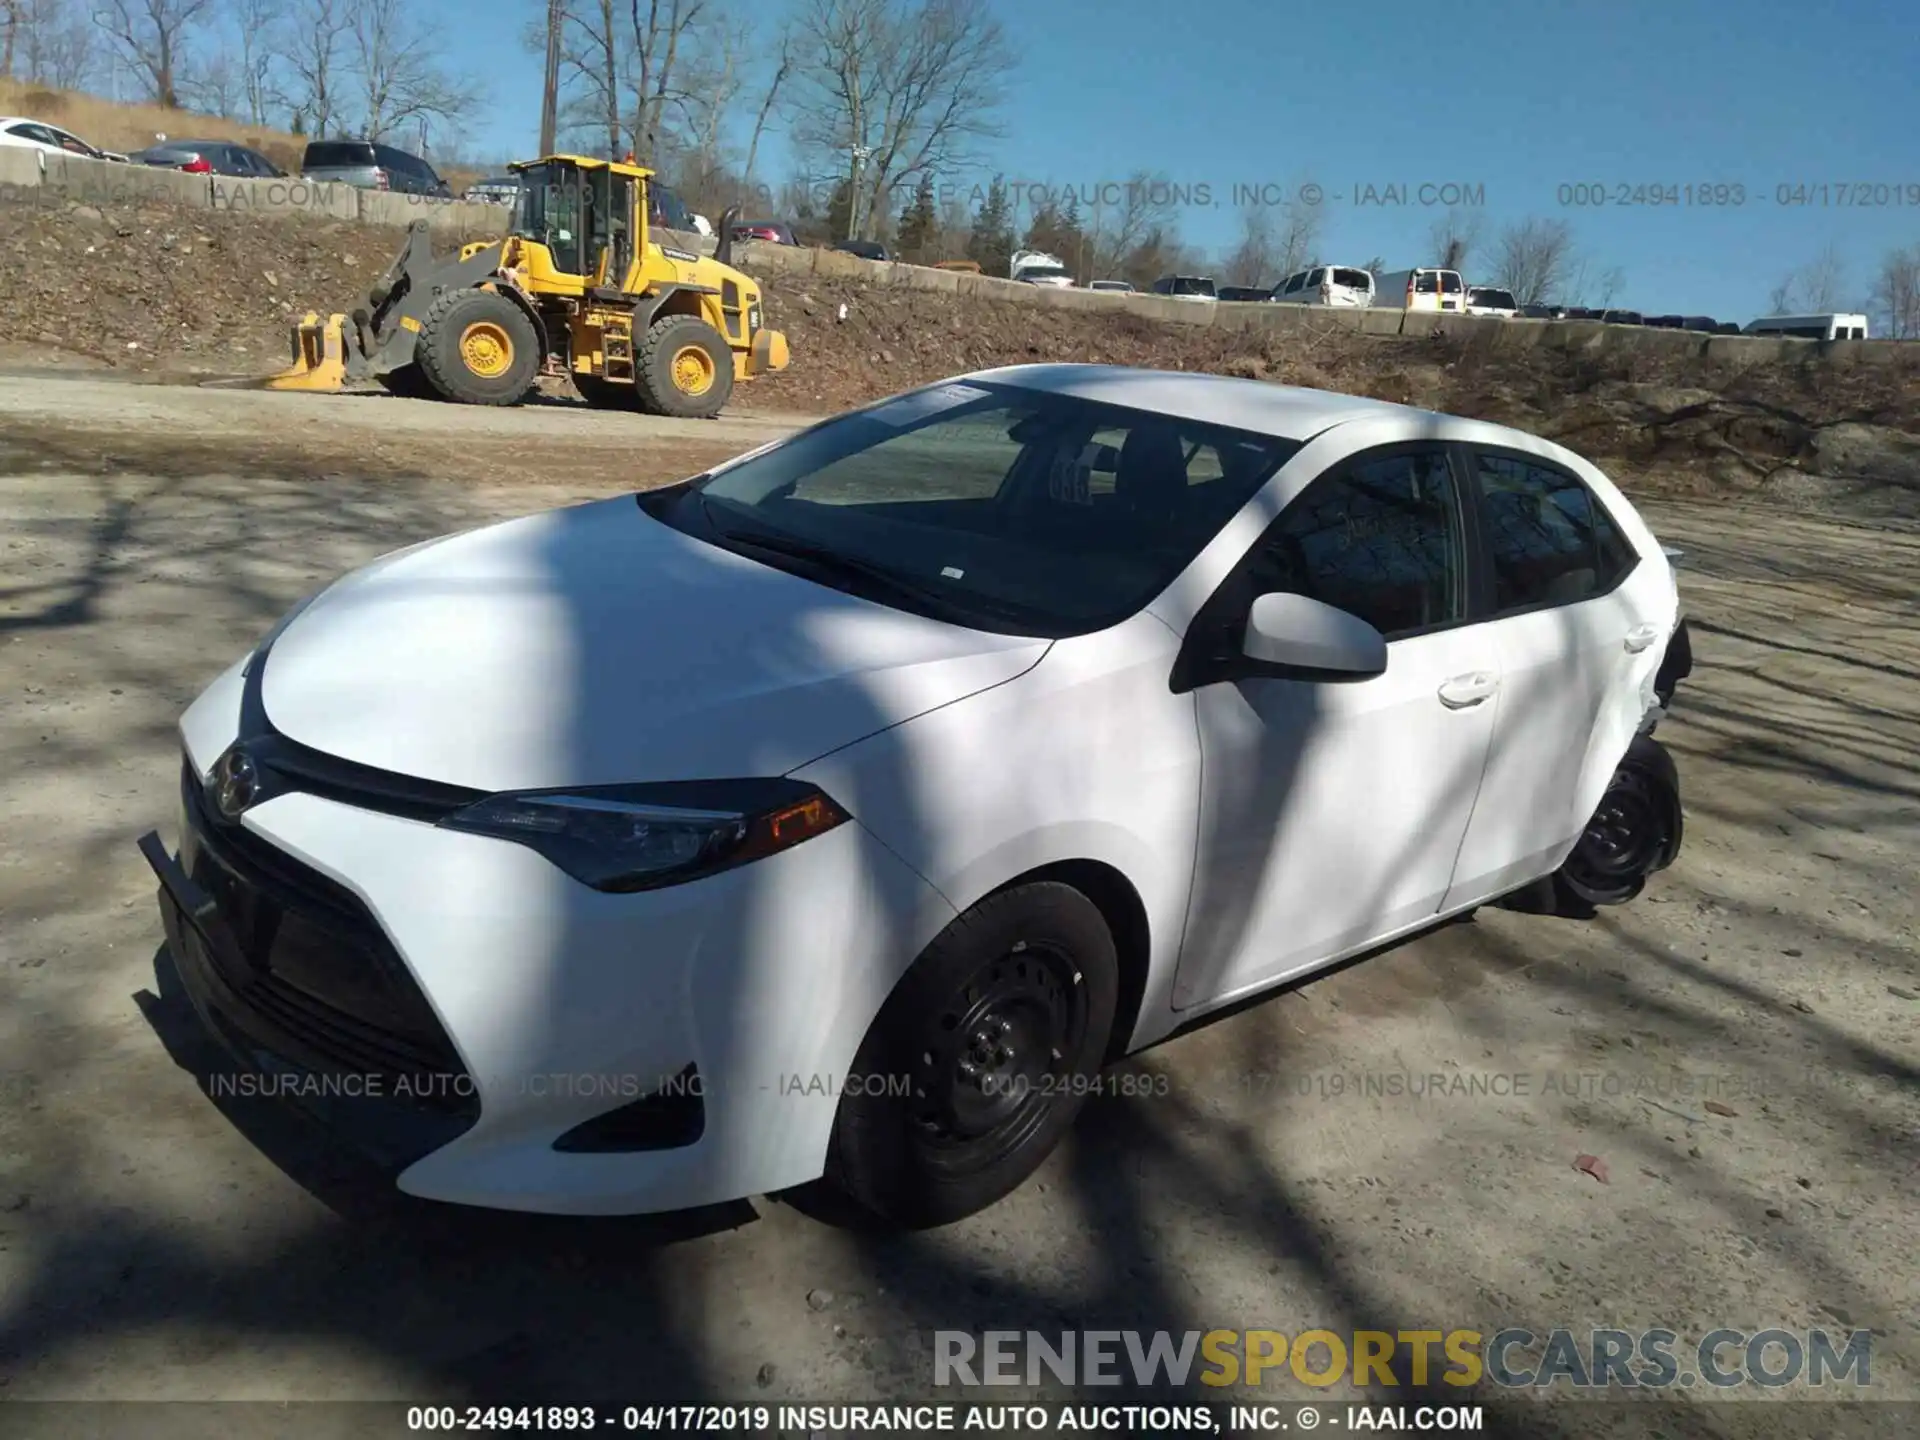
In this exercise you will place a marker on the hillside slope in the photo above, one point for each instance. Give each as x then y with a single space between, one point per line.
210 293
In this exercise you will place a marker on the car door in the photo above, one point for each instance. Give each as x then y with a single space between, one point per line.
1576 636
1333 809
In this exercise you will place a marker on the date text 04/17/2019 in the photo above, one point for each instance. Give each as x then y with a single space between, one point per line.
1732 195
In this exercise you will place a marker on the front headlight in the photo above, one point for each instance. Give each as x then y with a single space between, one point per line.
640 837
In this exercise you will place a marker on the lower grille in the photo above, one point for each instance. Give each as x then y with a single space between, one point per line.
319 971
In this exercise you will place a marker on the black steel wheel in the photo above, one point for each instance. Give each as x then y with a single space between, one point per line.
980 1059
1634 832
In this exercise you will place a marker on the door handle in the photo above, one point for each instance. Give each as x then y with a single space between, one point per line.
1641 636
1464 690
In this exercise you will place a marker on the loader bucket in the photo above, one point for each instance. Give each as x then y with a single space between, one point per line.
319 356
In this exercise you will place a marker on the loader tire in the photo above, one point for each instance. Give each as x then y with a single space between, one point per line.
684 368
477 347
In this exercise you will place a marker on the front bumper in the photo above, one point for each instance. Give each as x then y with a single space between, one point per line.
519 1006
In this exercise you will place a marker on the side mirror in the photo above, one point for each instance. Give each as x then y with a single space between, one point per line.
723 243
1298 633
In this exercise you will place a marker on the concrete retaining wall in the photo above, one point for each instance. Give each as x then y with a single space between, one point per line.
283 197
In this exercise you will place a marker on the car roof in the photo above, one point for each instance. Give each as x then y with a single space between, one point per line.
1288 411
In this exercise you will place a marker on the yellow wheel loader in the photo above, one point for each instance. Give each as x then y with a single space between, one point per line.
577 288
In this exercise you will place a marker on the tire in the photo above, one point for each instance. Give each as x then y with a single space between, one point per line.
1635 832
676 351
1033 972
477 347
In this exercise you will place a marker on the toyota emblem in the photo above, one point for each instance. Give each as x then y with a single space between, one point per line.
236 783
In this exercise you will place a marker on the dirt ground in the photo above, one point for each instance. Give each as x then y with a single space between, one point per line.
155 1244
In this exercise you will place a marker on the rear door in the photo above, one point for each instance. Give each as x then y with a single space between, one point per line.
1575 621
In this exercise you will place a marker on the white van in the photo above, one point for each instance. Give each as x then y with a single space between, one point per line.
1422 289
1812 327
1341 285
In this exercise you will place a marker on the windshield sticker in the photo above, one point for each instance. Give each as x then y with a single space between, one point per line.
948 572
911 409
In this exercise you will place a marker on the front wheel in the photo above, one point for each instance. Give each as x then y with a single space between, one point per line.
1634 832
979 1061
479 348
683 368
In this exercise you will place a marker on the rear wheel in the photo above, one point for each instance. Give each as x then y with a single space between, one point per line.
980 1059
684 367
1634 832
479 348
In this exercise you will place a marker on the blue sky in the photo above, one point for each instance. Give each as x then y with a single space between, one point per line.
1516 98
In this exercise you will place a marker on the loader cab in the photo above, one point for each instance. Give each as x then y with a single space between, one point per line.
587 215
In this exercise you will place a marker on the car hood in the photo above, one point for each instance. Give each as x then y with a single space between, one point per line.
595 645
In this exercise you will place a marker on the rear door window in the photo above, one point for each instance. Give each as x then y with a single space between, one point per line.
1426 283
1450 282
1353 279
338 155
1549 538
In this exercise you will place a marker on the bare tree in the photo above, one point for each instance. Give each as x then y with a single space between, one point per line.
1532 260
1251 261
1454 236
1896 295
48 42
780 73
213 86
152 36
1813 288
256 21
589 49
1120 217
1585 290
903 86
1299 237
660 27
399 77
313 47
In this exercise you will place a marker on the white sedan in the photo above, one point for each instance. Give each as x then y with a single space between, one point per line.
22 132
842 811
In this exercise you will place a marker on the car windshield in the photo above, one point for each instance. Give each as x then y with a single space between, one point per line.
337 155
1190 285
989 506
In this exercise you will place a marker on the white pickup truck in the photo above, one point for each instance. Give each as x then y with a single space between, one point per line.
1036 267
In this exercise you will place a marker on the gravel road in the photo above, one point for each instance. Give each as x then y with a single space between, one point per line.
1301 1169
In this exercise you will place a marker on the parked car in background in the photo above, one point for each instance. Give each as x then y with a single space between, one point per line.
497 190
772 232
372 165
1726 327
209 157
1117 287
1425 288
1664 322
1812 327
775 773
1244 293
1582 312
1487 300
702 226
21 132
865 249
1345 286
1621 317
1543 312
1705 324
1186 287
1036 267
667 211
